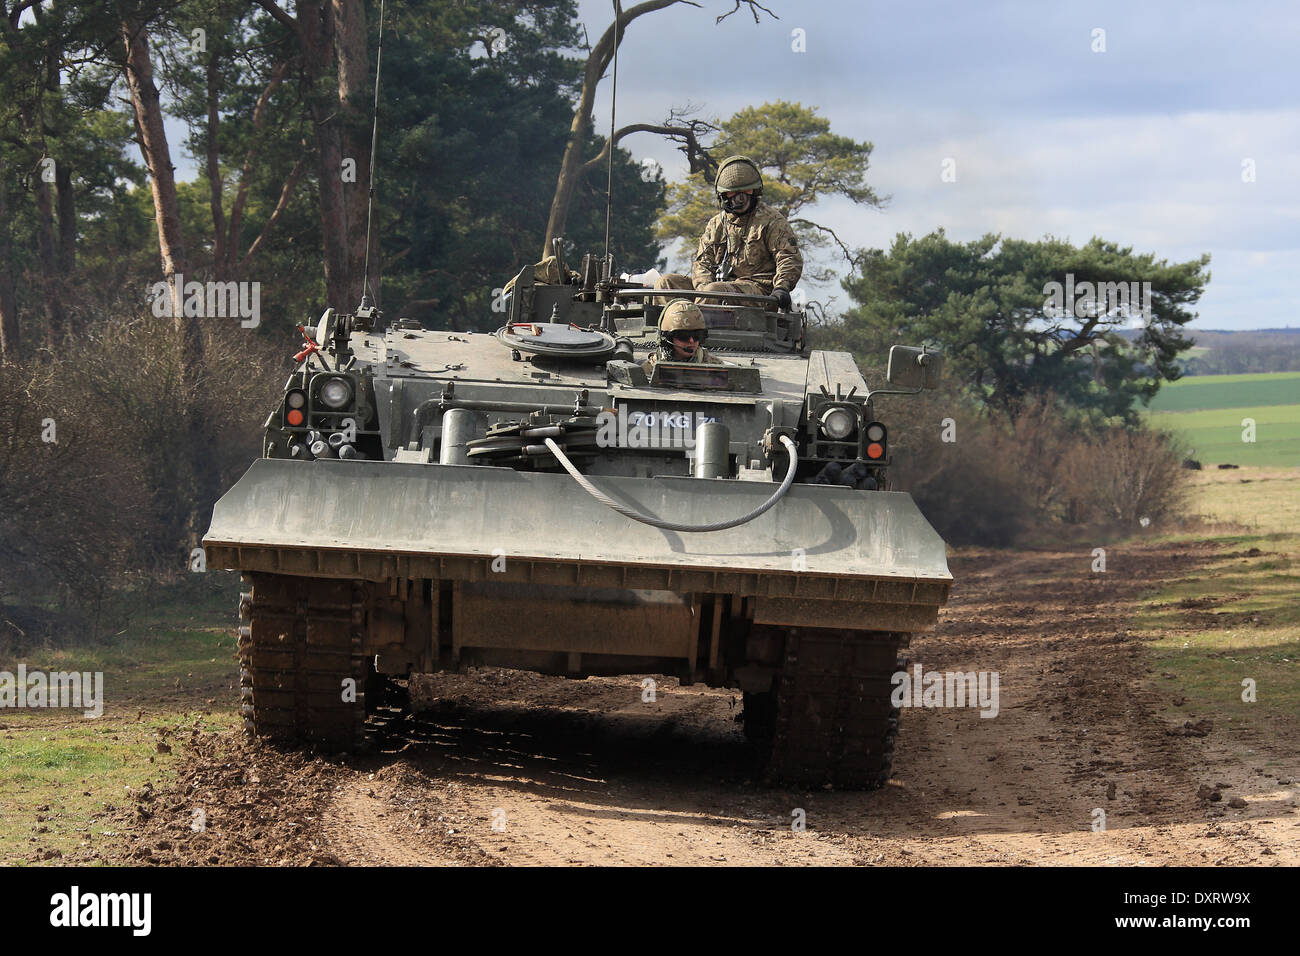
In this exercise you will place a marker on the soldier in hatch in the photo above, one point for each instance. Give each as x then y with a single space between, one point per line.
682 332
748 247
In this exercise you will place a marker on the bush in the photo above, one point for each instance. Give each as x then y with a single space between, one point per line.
967 487
114 495
1123 475
1039 477
70 500
128 376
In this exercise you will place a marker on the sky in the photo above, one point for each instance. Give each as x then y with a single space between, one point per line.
1149 143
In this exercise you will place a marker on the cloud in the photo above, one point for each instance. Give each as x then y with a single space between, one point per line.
1143 144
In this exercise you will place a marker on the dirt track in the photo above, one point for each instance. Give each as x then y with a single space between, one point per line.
504 767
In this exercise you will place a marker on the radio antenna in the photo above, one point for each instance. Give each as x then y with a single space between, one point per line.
366 302
613 104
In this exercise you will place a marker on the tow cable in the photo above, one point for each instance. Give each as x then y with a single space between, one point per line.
635 515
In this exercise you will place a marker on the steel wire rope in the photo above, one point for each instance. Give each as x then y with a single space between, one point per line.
635 515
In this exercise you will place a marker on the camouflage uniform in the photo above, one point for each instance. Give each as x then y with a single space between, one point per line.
765 254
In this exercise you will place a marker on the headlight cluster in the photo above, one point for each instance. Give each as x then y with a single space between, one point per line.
842 422
331 392
838 423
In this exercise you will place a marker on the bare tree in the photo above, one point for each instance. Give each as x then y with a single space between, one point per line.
689 134
601 55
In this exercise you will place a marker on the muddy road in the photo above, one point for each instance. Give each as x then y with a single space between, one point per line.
510 768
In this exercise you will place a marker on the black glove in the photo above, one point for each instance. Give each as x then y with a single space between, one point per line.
781 298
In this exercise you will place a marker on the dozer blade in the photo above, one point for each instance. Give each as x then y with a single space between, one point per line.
820 545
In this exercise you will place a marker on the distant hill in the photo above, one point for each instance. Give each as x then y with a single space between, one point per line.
1229 352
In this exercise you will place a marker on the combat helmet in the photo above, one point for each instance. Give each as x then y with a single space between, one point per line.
738 173
681 315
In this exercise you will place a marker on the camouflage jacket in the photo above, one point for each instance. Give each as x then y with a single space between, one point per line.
701 356
764 249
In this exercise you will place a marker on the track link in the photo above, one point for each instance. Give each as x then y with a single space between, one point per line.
301 644
832 719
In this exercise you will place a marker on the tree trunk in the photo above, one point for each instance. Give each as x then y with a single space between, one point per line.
597 63
51 279
67 205
157 157
316 38
221 258
326 30
10 340
355 105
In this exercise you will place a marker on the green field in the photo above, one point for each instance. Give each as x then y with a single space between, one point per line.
1228 391
1207 412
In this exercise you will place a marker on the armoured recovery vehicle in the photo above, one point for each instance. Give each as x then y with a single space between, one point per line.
536 498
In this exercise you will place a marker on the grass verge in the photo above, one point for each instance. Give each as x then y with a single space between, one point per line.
1237 618
59 771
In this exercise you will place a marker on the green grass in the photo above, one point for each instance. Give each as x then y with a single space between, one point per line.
164 671
150 660
58 777
1257 499
1228 391
1236 617
1251 631
1215 434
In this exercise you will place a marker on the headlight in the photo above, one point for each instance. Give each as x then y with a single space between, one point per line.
838 424
875 432
296 399
335 393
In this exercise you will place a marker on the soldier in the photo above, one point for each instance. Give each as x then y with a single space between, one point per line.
748 247
682 332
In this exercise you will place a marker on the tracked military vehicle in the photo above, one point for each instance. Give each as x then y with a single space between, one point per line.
537 498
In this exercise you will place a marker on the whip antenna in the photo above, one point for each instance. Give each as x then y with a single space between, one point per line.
374 138
613 103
